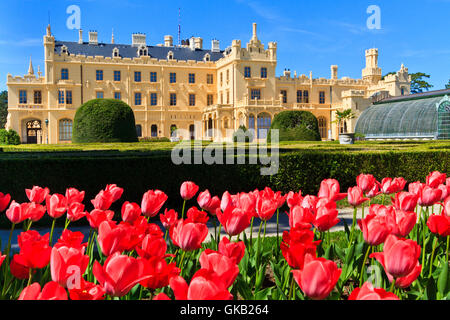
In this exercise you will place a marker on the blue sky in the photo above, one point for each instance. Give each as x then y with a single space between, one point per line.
311 35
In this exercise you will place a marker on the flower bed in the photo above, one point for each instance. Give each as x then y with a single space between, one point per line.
398 250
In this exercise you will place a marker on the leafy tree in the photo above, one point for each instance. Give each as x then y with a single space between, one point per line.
447 86
341 116
418 83
3 108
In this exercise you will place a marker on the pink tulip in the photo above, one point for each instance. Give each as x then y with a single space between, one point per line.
330 188
366 182
429 196
355 196
188 235
56 205
188 190
435 178
37 194
67 265
152 202
130 212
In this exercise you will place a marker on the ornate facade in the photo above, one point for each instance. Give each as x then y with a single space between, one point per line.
206 92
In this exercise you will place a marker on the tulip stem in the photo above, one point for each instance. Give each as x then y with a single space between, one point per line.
355 210
432 255
182 211
448 243
392 286
363 265
9 242
278 233
251 233
30 275
181 262
291 288
51 232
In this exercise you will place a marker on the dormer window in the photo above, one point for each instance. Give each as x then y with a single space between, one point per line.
207 57
142 51
64 49
115 53
170 55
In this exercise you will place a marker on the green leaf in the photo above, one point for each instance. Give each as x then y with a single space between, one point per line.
442 282
263 294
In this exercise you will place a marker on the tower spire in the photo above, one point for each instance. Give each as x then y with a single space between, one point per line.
112 36
30 68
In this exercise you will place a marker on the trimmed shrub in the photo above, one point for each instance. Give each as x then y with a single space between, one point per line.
104 120
9 137
296 126
243 135
154 139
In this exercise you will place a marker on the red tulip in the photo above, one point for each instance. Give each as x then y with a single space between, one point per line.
75 211
196 216
152 202
203 199
188 190
380 210
188 235
17 212
71 239
213 205
34 250
37 194
18 270
434 179
97 216
246 202
399 256
429 196
161 296
330 188
446 204
234 220
415 187
113 238
310 202
294 199
368 292
300 217
318 277
51 291
366 182
406 281
204 285
114 192
4 201
375 191
356 196
87 291
130 212
34 211
67 265
405 201
326 216
266 206
375 229
56 205
169 218
221 265
152 246
297 243
401 222
227 201
159 272
445 191
233 250
73 195
2 257
119 274
390 186
439 224
102 201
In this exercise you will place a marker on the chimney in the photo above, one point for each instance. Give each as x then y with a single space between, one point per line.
80 36
198 43
138 39
93 37
334 72
192 43
168 41
287 73
215 46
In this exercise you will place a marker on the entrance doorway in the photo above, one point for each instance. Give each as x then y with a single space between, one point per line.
34 132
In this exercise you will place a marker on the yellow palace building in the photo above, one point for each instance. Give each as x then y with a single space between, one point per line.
206 92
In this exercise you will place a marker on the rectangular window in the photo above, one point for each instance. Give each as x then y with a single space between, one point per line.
284 96
210 79
322 97
247 72
153 99
264 73
117 76
210 99
99 75
61 96
256 94
173 77
192 100
137 76
306 96
299 96
137 98
191 77
64 74
173 99
38 97
68 97
23 96
117 95
221 79
228 75
100 95
153 77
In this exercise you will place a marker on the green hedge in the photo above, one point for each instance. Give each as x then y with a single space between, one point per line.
296 126
9 137
104 120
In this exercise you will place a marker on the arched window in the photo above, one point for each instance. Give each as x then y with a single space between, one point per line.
207 57
251 122
154 130
65 130
142 51
139 130
264 123
322 127
115 53
170 55
64 49
173 131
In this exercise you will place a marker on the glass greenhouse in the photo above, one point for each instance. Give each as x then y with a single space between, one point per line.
418 116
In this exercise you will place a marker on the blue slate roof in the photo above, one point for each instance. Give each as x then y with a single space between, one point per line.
127 51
